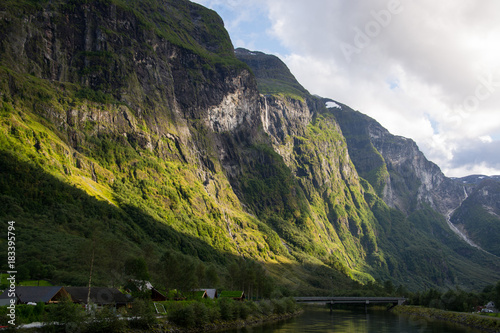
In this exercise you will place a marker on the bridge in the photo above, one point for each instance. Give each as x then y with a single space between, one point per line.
351 300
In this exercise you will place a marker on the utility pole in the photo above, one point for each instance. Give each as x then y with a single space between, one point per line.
90 275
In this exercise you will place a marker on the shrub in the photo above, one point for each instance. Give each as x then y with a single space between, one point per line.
200 314
279 306
183 316
143 314
253 308
226 307
265 307
241 310
105 320
290 305
214 313
65 316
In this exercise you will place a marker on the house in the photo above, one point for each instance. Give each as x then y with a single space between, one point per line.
157 296
99 296
139 285
28 294
211 293
490 307
208 293
236 295
199 293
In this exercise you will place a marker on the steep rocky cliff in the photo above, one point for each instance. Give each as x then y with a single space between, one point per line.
332 149
395 166
133 129
144 107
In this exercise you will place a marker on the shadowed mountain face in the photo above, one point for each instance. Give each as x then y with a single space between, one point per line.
395 167
135 127
479 215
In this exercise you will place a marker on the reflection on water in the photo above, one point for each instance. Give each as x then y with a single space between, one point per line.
317 319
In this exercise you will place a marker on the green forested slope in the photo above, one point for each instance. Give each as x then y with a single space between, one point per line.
413 246
131 136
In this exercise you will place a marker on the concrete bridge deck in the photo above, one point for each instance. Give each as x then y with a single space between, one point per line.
351 300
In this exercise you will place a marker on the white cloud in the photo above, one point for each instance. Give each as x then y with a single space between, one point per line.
428 71
425 70
486 139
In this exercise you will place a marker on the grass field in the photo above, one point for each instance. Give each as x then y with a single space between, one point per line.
41 283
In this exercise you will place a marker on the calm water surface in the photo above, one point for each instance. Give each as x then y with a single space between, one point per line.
317 319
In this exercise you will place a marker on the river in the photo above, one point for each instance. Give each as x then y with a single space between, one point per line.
318 319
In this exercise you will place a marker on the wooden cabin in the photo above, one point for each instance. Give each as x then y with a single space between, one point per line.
99 296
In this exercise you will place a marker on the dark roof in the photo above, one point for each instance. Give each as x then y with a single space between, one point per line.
211 293
98 295
27 294
157 296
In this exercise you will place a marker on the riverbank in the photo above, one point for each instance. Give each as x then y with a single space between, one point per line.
166 327
483 323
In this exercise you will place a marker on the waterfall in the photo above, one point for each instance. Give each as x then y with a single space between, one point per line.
266 120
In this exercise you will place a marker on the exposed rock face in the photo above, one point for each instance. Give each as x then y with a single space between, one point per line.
158 79
326 154
479 215
162 86
149 106
406 180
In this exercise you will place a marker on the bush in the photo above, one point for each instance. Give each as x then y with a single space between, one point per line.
227 309
241 310
279 306
65 316
200 314
253 308
183 316
290 305
105 320
143 314
265 307
214 313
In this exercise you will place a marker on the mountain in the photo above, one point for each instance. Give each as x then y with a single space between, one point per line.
478 216
408 197
475 179
134 135
395 166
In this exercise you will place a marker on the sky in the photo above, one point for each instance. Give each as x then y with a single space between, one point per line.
426 70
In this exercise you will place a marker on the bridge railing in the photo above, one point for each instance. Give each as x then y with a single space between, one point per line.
350 300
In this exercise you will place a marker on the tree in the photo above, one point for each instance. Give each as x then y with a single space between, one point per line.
388 287
211 277
137 269
168 266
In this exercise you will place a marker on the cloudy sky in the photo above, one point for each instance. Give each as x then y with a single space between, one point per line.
426 70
